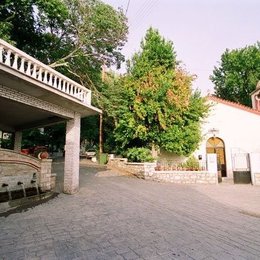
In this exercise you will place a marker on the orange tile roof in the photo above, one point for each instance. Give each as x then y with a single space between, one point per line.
233 104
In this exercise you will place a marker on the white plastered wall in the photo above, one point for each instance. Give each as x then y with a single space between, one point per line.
239 129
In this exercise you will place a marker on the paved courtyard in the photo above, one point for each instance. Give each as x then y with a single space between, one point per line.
126 218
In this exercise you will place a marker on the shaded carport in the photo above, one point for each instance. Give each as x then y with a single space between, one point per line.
34 95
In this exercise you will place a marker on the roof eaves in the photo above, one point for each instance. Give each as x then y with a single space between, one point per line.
234 104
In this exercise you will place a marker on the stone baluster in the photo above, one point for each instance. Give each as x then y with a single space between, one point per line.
45 79
28 71
21 69
34 71
8 58
65 84
22 62
55 82
15 61
71 90
40 74
50 79
68 89
60 83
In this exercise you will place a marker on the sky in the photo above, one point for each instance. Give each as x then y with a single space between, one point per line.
201 30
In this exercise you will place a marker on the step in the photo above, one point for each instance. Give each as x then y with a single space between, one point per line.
227 180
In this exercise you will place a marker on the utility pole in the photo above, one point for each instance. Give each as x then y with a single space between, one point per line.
127 7
100 133
101 116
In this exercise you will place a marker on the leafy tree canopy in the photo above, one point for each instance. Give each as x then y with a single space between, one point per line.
73 36
156 105
155 52
237 74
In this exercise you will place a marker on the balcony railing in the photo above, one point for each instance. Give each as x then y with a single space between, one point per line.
27 65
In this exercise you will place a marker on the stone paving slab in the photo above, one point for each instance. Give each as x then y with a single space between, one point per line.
128 218
244 197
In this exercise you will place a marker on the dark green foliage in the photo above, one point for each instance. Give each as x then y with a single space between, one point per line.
32 138
34 26
90 129
237 74
7 142
155 52
78 36
53 137
139 154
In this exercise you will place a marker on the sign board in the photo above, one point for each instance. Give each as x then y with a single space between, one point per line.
240 162
212 163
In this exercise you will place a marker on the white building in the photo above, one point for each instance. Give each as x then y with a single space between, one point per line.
231 131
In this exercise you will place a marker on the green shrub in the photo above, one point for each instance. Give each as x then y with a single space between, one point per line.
192 163
138 154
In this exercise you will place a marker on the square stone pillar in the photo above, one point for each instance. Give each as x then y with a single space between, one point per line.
17 141
45 175
72 149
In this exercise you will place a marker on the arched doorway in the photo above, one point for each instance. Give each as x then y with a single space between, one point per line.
217 146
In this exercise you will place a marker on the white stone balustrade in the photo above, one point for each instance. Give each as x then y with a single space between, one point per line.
22 62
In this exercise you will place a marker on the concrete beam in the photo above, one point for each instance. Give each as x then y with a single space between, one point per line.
35 102
41 123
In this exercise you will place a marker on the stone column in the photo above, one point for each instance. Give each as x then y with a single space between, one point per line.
45 175
17 141
72 148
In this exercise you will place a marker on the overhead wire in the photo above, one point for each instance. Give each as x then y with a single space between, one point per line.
127 7
141 14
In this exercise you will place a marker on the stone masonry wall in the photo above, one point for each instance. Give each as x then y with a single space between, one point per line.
147 172
16 167
134 168
184 177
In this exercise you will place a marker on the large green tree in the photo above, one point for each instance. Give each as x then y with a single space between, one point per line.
157 105
237 74
75 37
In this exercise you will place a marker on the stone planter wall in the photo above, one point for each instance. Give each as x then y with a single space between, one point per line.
147 171
122 163
184 177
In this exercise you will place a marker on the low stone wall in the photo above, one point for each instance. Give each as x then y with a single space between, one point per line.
16 167
147 171
122 163
184 177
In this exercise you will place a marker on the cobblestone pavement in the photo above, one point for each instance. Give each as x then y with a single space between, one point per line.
128 218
